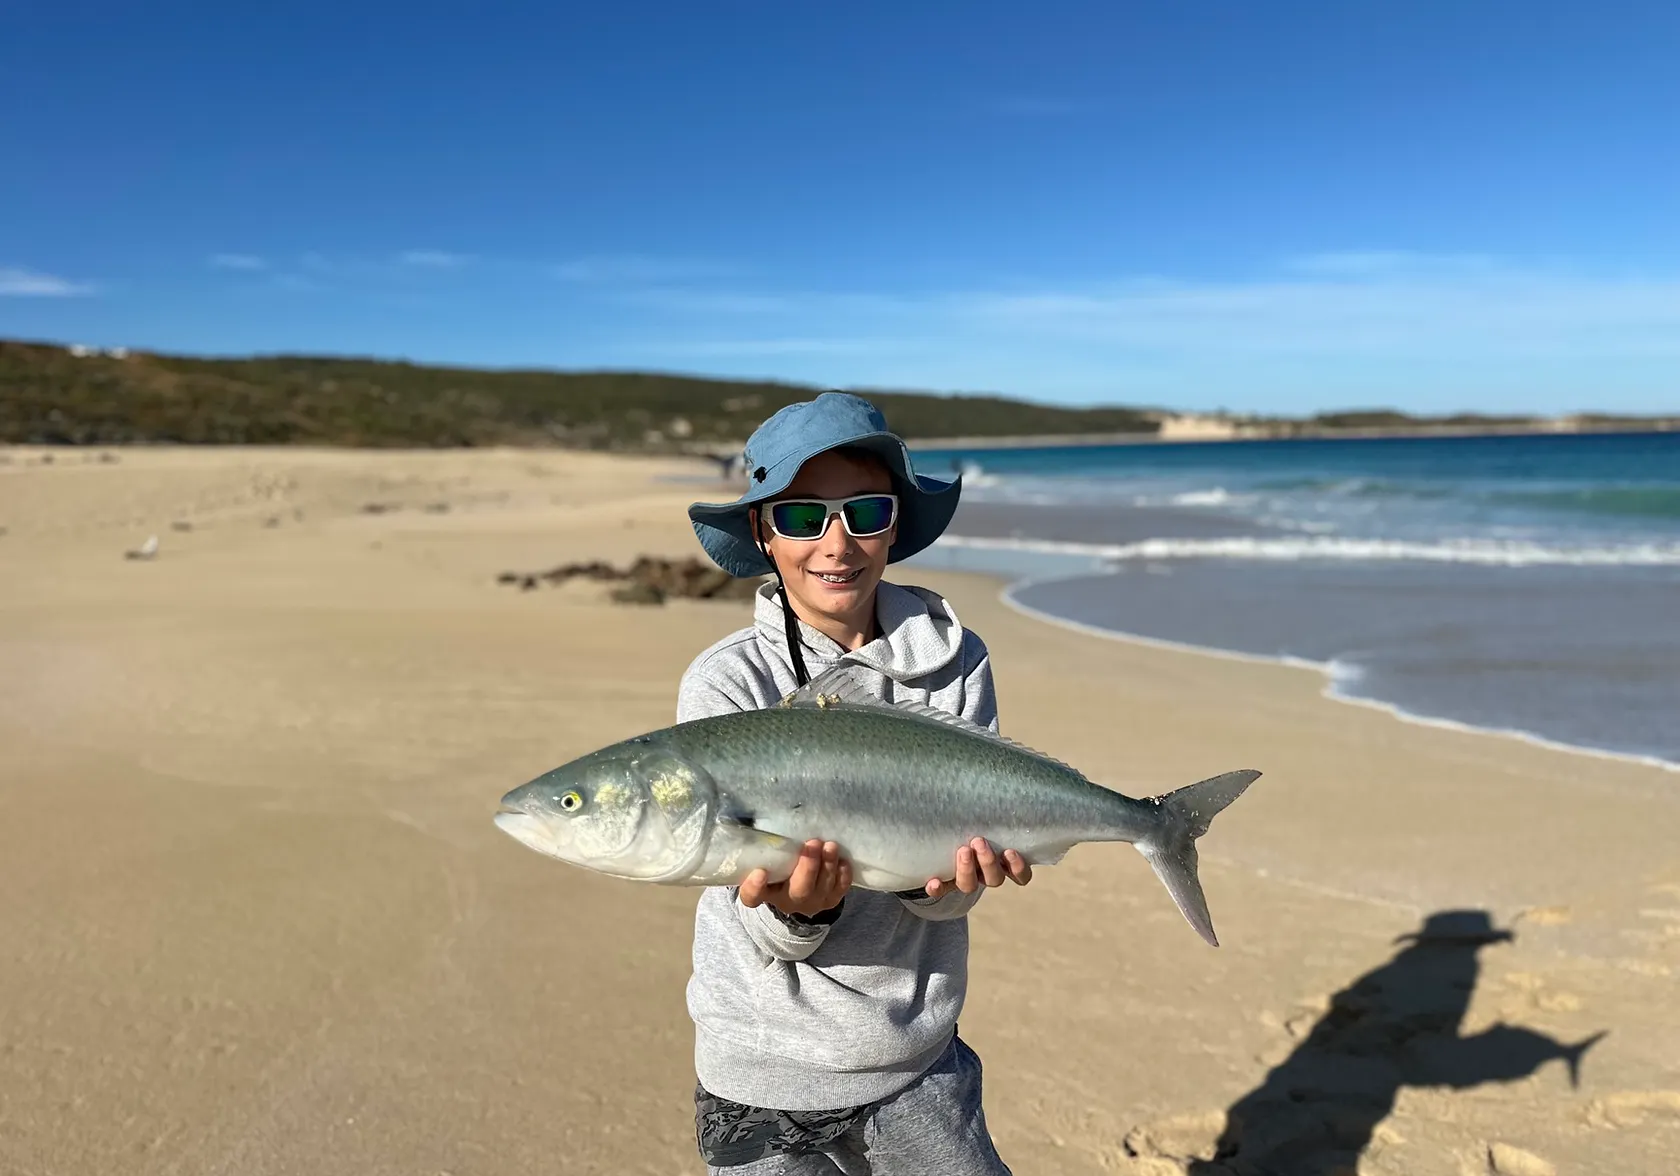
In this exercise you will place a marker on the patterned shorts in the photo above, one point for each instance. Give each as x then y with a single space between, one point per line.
934 1125
732 1133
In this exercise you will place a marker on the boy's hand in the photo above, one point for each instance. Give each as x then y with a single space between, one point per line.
978 864
819 881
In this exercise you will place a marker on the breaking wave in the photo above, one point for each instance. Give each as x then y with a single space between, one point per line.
1294 548
1218 496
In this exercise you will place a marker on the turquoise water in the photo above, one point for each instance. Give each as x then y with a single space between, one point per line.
1528 584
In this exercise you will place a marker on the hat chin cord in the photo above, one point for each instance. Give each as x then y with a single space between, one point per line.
801 676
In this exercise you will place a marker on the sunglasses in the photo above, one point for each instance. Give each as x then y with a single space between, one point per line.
807 518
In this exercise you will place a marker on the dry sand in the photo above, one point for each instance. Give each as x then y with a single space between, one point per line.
254 917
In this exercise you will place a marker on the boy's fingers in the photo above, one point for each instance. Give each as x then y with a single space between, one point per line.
830 876
990 869
752 888
806 871
1019 871
967 882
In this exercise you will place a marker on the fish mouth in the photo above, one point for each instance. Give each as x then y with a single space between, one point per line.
526 829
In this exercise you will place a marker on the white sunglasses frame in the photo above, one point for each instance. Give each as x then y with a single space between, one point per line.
834 507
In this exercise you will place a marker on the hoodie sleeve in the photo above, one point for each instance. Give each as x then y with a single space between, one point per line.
781 937
979 706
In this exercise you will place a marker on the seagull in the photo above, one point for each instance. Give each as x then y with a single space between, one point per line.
147 550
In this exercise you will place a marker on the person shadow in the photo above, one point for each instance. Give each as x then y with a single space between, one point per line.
1396 1026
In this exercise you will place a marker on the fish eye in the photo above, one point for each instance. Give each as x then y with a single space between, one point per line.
571 802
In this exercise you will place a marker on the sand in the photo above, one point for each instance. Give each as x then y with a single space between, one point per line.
254 917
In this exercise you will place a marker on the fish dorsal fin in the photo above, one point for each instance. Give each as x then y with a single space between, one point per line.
846 684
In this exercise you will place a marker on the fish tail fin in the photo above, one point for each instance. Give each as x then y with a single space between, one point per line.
1572 1055
1171 851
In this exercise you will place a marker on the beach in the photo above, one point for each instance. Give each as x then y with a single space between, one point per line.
256 918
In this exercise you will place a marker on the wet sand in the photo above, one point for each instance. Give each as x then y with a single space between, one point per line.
256 918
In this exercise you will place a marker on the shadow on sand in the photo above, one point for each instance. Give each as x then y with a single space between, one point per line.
1396 1026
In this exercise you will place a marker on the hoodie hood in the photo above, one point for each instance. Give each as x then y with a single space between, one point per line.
920 632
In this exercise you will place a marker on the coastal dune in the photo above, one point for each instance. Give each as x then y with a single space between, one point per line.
256 917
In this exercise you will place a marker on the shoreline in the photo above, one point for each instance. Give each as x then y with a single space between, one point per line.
1328 671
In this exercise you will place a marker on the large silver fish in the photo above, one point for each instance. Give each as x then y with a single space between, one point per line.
900 788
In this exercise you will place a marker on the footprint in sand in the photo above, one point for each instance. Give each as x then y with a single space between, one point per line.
1179 1138
1642 967
1551 916
1506 1160
1658 930
1634 1108
1533 993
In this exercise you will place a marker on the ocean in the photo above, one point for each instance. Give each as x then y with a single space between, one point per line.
1525 584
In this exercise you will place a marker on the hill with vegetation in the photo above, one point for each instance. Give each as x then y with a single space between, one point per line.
81 396
53 395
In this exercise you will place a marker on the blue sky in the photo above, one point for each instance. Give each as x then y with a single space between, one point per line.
1261 206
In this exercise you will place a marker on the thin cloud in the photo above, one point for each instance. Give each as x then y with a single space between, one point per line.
23 283
1390 263
631 269
709 302
1415 329
237 261
434 259
1483 310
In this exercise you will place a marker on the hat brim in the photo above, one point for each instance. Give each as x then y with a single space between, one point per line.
925 507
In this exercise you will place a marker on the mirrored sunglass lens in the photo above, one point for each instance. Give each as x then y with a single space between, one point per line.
799 520
869 516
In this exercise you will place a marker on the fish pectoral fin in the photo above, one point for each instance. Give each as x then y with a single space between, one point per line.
747 829
740 820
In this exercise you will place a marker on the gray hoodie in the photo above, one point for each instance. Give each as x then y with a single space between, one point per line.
801 1017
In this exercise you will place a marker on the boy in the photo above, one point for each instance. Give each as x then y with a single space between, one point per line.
825 1018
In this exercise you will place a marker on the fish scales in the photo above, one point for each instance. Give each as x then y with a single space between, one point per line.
821 774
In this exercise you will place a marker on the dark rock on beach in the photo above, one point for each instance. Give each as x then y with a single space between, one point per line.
649 580
637 592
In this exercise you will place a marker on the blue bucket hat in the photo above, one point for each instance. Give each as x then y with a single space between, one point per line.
792 437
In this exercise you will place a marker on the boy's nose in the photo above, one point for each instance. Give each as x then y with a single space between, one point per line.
836 540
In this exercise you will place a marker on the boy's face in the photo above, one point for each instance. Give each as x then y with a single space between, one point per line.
834 576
